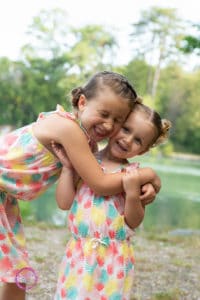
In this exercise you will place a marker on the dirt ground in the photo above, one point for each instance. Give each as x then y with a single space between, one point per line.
167 266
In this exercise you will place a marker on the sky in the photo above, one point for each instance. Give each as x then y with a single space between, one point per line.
17 15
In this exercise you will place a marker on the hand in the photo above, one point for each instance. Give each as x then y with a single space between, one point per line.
130 179
148 194
61 154
156 183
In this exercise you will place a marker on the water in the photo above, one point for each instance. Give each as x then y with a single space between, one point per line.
176 206
178 203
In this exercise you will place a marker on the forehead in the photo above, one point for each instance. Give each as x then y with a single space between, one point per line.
136 117
139 121
141 127
108 100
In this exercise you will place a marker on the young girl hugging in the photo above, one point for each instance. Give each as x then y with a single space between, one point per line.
28 165
99 260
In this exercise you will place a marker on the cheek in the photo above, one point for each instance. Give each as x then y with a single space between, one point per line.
115 131
117 127
135 148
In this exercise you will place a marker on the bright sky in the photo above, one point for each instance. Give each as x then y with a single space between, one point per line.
17 15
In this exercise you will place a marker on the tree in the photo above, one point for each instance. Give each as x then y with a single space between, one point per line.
47 61
156 38
84 49
178 94
49 35
64 56
137 72
191 43
93 49
56 59
10 100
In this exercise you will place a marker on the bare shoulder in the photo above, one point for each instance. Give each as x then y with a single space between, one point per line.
54 127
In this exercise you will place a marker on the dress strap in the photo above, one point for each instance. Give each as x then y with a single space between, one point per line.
93 145
59 110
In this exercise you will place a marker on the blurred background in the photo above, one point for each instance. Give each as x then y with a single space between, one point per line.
50 47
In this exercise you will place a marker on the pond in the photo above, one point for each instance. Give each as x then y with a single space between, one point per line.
176 206
178 203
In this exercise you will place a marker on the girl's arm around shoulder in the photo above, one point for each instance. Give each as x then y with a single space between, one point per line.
72 138
134 210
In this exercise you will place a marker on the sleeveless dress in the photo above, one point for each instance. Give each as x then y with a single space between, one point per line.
99 261
27 169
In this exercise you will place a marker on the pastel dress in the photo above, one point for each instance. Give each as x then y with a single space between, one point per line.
27 169
98 263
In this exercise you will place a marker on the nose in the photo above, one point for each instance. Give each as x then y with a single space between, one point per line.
128 139
108 125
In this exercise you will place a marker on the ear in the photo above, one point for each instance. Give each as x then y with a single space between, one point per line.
82 102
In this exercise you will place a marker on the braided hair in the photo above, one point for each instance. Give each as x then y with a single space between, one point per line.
118 83
162 125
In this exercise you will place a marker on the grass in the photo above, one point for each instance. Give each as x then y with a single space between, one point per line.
175 294
170 295
39 259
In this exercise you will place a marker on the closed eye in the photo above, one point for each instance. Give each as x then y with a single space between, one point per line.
104 114
125 129
118 120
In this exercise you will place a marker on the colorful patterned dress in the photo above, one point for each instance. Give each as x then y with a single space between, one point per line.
27 169
99 261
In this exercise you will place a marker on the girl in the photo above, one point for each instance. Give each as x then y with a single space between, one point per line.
28 166
99 262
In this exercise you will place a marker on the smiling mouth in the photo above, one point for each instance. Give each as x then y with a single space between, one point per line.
100 133
123 148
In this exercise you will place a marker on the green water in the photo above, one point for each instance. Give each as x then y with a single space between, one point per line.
176 206
178 203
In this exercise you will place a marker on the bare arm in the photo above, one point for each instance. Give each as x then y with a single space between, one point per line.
134 209
65 189
68 133
151 185
148 193
71 137
148 175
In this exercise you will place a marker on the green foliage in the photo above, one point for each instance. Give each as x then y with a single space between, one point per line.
178 99
49 68
26 210
168 295
59 58
137 72
164 150
191 43
44 207
156 37
93 49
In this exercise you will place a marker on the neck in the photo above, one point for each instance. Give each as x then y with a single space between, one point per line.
84 130
106 155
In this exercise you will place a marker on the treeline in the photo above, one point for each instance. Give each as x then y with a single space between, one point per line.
59 57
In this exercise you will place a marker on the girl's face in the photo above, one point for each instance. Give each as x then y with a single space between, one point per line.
135 137
103 115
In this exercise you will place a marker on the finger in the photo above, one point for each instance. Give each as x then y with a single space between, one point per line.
147 197
147 200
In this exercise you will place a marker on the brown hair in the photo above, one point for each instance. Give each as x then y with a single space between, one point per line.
162 125
116 82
